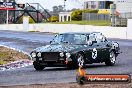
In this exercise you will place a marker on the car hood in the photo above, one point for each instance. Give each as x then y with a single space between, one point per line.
59 48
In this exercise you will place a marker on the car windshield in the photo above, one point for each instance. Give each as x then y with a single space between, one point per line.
70 39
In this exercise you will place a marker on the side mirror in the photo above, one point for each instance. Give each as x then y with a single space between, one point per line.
90 43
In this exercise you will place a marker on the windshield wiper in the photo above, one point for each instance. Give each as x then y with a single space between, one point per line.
66 42
56 43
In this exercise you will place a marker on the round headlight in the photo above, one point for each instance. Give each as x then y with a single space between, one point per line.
33 54
39 54
61 54
68 55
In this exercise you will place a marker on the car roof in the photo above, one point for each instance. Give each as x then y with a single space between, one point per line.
82 33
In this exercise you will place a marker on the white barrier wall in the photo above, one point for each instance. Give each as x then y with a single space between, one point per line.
110 32
129 29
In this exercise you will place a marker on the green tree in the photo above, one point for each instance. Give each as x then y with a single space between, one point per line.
54 19
90 11
76 15
55 9
30 20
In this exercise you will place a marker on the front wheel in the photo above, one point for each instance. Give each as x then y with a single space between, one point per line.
80 60
38 67
80 80
112 59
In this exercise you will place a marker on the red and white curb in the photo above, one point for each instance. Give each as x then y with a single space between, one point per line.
16 65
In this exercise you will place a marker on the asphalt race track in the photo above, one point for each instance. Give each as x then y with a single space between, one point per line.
26 41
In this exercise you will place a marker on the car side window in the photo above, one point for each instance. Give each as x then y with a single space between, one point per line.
92 37
97 38
104 38
100 38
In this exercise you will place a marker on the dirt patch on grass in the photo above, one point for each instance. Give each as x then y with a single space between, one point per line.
73 85
8 55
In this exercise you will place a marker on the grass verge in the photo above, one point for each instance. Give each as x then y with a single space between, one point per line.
94 22
8 55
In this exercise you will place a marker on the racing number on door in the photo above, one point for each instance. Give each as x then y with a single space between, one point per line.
94 53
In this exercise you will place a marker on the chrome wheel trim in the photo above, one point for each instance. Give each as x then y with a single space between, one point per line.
80 61
112 57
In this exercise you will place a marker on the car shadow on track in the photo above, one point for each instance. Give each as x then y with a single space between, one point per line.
66 69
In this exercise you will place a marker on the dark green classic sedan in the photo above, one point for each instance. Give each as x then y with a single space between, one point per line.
76 49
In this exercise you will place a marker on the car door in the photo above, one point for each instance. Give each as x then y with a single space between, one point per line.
97 51
93 50
104 49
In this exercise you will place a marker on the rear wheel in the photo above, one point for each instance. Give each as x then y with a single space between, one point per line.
38 67
112 59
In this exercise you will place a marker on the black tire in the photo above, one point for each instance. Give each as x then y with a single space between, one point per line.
80 80
80 60
112 59
38 67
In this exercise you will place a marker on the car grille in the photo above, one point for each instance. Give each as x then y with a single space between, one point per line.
50 56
